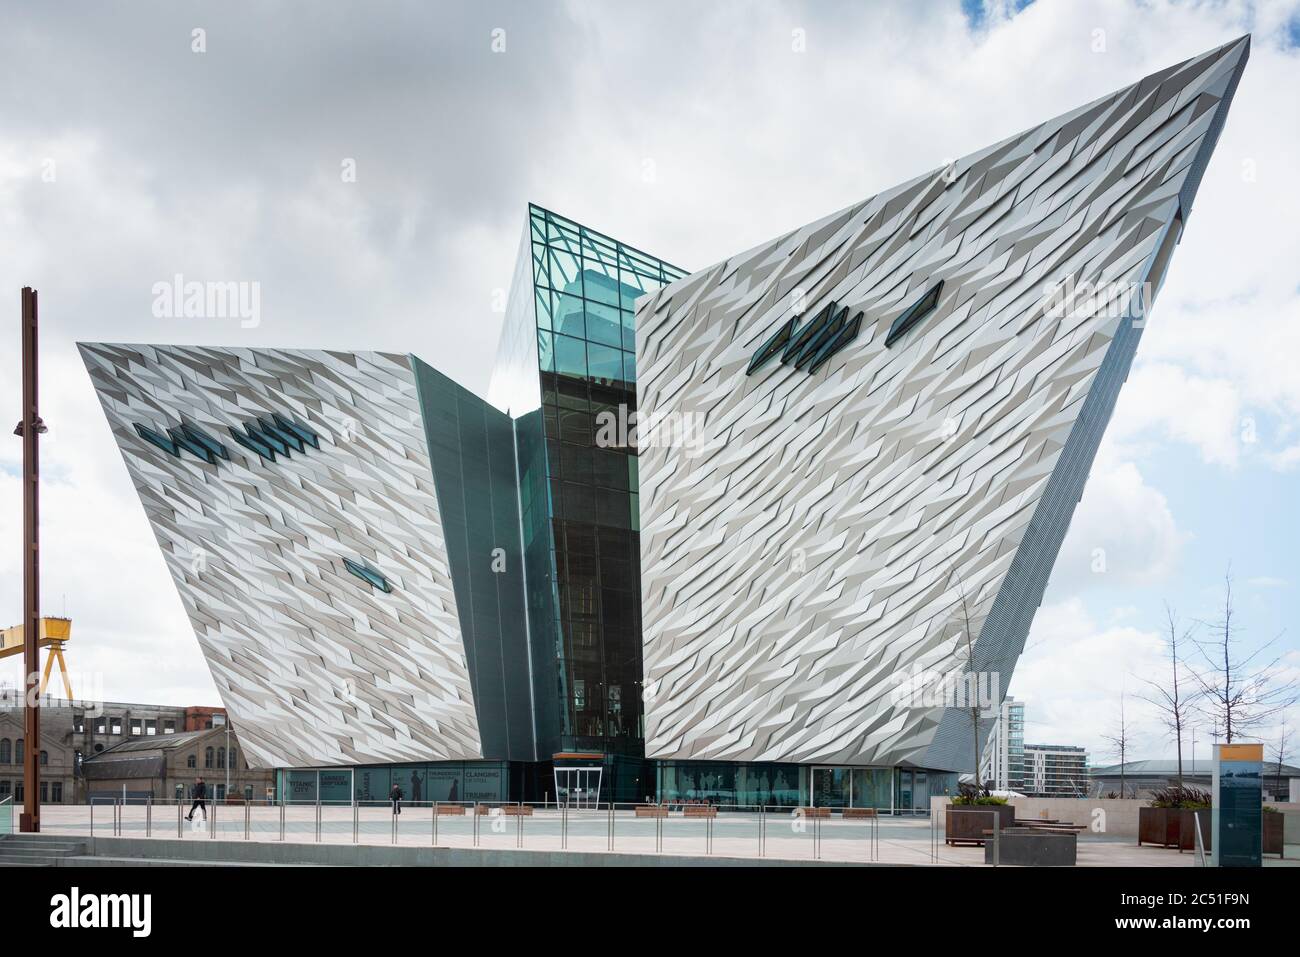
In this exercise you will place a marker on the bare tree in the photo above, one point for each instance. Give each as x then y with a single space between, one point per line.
1281 751
1171 699
966 654
1240 693
1119 742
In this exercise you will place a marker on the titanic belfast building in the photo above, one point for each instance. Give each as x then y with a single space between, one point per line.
712 535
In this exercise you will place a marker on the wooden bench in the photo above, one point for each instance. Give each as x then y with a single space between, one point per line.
814 812
517 810
450 808
1053 828
850 812
699 810
651 810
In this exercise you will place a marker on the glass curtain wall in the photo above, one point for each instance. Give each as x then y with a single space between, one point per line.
585 287
750 785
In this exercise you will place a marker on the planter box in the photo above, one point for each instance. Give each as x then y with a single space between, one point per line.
1273 829
1187 828
966 824
1025 847
1173 827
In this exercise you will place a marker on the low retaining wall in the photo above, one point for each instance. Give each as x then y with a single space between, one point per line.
344 855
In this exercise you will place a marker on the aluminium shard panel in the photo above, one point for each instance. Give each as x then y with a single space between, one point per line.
314 665
817 548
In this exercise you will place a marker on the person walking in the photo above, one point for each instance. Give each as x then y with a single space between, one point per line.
199 792
395 795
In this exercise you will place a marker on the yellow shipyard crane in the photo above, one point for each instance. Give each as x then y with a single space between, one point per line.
55 633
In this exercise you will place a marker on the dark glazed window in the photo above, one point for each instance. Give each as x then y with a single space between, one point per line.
161 441
919 310
368 575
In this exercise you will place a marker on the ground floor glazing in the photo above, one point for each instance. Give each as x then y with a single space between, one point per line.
590 779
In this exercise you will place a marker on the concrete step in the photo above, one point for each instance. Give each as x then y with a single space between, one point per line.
89 861
52 847
42 851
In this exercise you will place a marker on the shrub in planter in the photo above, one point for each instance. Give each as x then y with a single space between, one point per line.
968 795
971 814
1170 821
1180 797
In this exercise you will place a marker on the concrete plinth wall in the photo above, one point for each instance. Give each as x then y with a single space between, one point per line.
1104 817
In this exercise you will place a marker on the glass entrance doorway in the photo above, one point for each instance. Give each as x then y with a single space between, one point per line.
913 796
577 787
853 787
832 787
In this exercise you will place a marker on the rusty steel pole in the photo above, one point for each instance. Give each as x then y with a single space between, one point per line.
30 428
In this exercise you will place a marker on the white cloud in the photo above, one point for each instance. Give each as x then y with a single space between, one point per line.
1072 674
1163 398
1286 460
1123 532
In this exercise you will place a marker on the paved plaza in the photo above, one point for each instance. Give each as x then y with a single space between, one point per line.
736 834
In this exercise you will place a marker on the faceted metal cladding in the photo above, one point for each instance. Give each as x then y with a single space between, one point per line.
316 665
813 551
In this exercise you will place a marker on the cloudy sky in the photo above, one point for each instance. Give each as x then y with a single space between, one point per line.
691 130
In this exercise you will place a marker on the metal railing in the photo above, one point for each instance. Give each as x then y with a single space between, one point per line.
1199 841
677 828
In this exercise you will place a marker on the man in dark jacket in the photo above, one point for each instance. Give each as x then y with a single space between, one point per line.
200 791
395 795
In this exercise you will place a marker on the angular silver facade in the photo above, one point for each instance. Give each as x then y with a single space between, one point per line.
315 666
808 547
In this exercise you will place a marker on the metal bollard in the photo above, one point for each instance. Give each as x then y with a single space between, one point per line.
179 828
247 822
318 825
212 831
435 823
